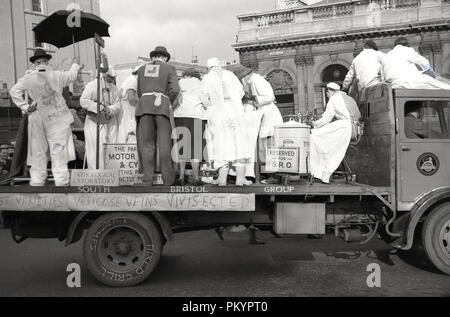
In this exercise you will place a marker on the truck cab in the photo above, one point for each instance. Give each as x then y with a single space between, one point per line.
406 146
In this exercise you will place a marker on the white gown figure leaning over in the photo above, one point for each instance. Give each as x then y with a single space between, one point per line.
331 139
401 69
110 108
221 94
49 125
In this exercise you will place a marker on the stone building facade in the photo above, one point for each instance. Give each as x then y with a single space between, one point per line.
304 46
17 42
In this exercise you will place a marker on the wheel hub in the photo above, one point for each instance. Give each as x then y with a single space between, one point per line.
444 238
122 249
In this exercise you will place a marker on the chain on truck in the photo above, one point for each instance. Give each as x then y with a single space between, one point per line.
393 187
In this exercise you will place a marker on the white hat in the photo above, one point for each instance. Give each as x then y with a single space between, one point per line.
213 62
334 86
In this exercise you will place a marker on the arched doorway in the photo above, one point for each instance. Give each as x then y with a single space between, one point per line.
283 88
334 73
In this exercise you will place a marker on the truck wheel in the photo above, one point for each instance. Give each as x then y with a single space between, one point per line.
122 249
436 237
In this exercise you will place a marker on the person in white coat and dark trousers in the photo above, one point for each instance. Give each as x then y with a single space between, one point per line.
365 68
331 139
49 125
110 108
404 68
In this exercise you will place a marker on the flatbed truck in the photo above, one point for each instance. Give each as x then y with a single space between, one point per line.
401 194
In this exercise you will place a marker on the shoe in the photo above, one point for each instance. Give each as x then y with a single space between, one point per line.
223 175
253 239
198 183
244 183
179 182
315 236
270 181
219 232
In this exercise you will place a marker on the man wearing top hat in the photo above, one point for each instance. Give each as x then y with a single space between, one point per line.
157 89
49 120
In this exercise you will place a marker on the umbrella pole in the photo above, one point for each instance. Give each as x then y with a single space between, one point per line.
74 47
97 59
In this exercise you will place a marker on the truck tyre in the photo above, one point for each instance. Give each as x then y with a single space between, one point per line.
122 249
436 237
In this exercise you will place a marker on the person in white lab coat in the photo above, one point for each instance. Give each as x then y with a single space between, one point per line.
365 68
126 133
221 94
262 115
190 120
401 68
49 125
110 108
330 140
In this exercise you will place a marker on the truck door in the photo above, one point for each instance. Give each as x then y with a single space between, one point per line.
423 154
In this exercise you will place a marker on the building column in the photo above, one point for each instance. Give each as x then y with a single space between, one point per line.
304 63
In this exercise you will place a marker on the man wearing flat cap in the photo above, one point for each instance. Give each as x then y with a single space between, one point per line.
49 120
157 90
366 67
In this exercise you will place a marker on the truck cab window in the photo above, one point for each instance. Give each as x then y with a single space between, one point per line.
427 120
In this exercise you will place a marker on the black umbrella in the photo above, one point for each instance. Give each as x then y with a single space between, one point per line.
56 30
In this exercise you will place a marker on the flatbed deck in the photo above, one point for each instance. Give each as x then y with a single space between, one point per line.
302 188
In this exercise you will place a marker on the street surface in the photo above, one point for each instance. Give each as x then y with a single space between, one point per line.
198 264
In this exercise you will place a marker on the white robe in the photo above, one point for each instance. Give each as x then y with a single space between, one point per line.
330 140
399 68
108 132
262 121
49 130
126 132
190 105
366 67
222 93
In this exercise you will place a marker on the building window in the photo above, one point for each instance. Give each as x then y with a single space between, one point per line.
36 6
36 43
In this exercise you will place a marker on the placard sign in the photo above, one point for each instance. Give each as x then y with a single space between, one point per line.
105 178
128 202
124 158
282 159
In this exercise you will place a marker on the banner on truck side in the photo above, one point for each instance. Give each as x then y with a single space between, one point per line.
127 202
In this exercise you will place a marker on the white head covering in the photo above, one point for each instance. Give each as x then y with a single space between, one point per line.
213 62
334 86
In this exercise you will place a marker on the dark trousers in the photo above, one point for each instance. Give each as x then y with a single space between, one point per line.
150 129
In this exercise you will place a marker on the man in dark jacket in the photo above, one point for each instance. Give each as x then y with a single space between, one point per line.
157 90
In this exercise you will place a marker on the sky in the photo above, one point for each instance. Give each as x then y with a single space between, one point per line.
208 26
